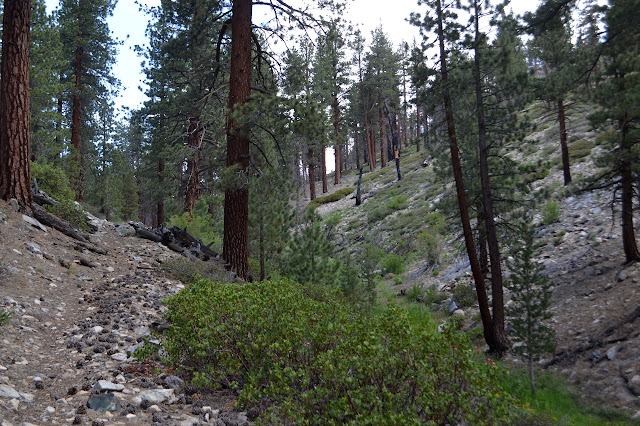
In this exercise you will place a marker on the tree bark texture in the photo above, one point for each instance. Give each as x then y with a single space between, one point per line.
194 142
335 106
563 143
236 199
499 335
383 148
15 178
312 176
462 200
418 128
323 168
629 243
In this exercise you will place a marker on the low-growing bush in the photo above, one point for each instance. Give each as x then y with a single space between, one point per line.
550 213
5 317
398 202
71 212
331 198
305 361
464 296
53 181
392 263
187 270
580 149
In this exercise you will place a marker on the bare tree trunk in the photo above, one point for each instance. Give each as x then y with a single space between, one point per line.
499 336
418 128
462 200
357 150
236 199
629 243
383 148
194 141
563 143
312 176
335 106
15 177
75 126
160 204
323 168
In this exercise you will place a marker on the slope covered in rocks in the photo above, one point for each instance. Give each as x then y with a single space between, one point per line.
73 329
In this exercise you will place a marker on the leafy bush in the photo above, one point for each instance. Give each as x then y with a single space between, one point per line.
331 198
399 202
432 295
5 317
464 296
71 212
200 224
304 361
53 181
392 263
414 294
187 270
550 213
580 149
429 244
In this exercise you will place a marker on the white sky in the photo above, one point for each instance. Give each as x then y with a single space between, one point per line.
129 24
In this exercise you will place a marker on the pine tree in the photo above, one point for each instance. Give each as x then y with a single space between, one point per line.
15 178
531 296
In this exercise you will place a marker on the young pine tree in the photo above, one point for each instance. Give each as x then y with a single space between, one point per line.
531 295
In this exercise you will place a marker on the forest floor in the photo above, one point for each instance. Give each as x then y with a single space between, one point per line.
73 329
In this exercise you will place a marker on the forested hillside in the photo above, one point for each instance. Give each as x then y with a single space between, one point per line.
375 205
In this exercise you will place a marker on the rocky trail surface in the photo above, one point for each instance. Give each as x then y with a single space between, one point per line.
76 318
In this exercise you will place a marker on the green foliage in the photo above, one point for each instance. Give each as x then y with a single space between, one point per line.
414 294
531 297
464 296
550 213
187 270
71 212
306 361
399 202
392 263
580 149
554 403
308 258
200 223
331 222
331 198
430 246
5 317
53 181
432 295
360 292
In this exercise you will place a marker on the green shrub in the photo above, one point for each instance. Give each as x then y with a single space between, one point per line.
580 149
331 198
392 263
429 244
53 181
432 295
199 223
5 317
303 361
399 202
71 212
414 294
464 296
550 213
378 214
187 270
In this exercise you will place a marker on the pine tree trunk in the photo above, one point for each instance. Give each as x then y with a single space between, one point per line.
323 168
462 200
499 335
236 199
312 176
418 128
15 178
629 243
357 151
75 125
383 148
336 136
160 204
563 143
194 141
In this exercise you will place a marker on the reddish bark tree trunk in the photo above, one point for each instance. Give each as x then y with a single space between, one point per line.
194 141
499 336
563 143
462 200
15 178
236 199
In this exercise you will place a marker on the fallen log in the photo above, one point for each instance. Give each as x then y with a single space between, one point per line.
55 222
148 235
